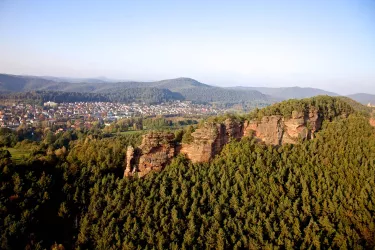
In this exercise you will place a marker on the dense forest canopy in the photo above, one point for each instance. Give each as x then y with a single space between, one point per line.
70 190
364 110
146 95
130 91
327 107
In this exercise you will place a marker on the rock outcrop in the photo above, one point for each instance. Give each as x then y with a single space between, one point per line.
210 139
129 170
277 130
269 129
155 152
158 148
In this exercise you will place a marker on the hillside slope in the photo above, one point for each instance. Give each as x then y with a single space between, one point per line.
363 98
288 92
288 122
179 88
357 106
146 95
311 194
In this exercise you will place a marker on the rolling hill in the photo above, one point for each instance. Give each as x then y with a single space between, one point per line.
179 88
164 90
285 93
363 98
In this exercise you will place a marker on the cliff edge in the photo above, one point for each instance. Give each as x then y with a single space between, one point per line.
285 122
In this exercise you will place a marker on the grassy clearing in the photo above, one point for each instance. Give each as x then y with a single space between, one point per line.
18 154
131 132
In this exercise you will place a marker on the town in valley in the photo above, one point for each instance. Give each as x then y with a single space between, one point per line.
78 115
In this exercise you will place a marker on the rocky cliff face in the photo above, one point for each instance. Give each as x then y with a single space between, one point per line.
210 139
158 148
278 130
129 168
155 152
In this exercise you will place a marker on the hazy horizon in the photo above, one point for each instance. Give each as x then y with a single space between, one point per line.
321 44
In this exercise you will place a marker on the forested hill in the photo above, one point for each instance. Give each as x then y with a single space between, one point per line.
285 93
363 98
364 109
15 83
146 95
327 107
69 192
179 88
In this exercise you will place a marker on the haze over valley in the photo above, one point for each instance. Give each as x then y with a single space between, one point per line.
157 91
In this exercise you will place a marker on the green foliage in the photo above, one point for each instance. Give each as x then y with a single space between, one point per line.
146 95
221 95
327 107
148 92
316 194
187 137
178 134
4 154
27 203
364 110
8 138
156 123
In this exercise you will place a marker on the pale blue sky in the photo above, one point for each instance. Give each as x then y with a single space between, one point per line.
328 44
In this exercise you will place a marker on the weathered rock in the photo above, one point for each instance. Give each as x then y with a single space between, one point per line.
210 139
155 152
314 123
129 161
269 129
295 128
277 130
158 148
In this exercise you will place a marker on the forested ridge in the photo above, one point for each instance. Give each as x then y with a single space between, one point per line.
315 194
129 91
327 107
186 88
146 95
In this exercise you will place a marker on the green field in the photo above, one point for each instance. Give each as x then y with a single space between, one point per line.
18 154
131 132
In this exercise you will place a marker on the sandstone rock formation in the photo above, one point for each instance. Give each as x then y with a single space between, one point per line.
210 139
129 162
158 148
269 129
155 152
277 130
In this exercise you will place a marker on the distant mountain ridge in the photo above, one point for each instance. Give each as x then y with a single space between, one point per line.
182 88
179 88
363 98
16 83
284 93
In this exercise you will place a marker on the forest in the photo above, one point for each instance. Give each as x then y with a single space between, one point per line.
21 87
144 95
69 191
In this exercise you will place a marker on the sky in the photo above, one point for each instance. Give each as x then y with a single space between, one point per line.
327 44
